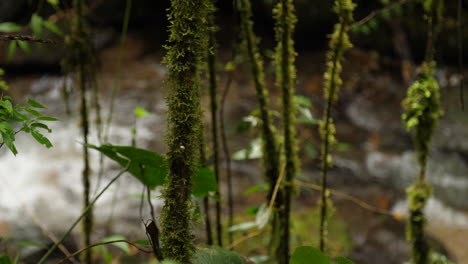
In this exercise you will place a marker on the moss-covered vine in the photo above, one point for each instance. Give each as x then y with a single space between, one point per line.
422 111
339 43
80 59
270 148
286 78
186 47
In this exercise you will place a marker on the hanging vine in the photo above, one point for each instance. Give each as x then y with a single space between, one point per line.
422 111
81 61
186 47
286 78
270 149
339 43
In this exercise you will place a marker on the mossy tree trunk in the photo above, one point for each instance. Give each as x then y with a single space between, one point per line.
186 48
286 78
270 148
339 43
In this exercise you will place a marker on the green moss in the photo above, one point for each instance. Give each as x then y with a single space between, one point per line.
418 194
285 80
185 50
422 111
339 43
269 143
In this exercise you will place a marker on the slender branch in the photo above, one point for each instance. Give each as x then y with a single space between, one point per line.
460 53
101 244
116 83
85 211
227 155
375 13
348 197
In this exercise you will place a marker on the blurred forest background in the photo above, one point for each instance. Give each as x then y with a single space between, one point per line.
373 164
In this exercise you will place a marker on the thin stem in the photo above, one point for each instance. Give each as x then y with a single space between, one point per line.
378 12
227 156
214 129
101 244
85 212
116 84
460 52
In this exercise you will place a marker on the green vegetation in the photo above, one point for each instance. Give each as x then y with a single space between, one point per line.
272 232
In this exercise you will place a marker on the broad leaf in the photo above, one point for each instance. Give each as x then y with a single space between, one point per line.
143 243
8 27
147 166
36 24
122 245
41 138
217 255
5 259
342 260
35 104
53 28
204 182
307 255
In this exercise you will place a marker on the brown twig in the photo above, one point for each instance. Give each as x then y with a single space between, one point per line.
348 197
378 12
103 243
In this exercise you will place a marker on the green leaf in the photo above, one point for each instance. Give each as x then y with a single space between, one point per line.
11 49
122 245
4 259
217 255
53 2
307 255
35 104
7 105
140 112
32 111
53 28
40 125
9 27
36 24
302 101
143 243
9 139
107 256
252 210
41 138
30 244
24 46
170 261
255 188
343 260
48 118
147 166
242 226
6 127
204 182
